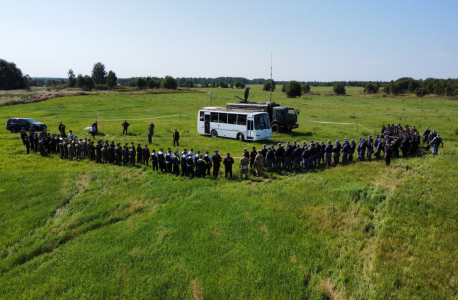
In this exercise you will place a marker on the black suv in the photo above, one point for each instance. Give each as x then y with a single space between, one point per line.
16 124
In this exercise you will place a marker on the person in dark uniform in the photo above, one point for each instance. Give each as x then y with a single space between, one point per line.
176 138
98 150
264 154
190 163
125 125
150 136
132 155
270 158
201 167
345 150
146 154
216 160
104 155
154 160
297 153
151 128
176 163
92 151
208 162
161 160
336 152
168 161
62 129
125 154
27 144
322 152
328 151
228 162
253 154
388 153
288 154
426 135
184 167
305 157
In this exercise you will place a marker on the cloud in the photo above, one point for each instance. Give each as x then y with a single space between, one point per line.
445 55
373 62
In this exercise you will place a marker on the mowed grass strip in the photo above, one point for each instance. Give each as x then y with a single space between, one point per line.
77 229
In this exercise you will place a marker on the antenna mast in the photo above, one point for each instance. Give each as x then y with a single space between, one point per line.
271 77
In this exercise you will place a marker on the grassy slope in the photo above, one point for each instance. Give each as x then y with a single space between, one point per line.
79 230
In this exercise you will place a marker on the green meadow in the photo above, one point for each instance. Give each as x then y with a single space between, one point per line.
80 230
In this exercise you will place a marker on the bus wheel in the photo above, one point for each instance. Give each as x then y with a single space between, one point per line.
240 137
214 133
275 128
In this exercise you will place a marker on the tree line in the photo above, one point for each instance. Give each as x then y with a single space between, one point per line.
11 78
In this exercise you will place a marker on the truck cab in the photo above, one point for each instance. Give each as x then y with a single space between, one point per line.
284 118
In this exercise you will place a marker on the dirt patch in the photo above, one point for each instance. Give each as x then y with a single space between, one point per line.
196 290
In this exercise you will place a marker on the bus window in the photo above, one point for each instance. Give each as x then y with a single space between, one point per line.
232 119
261 122
222 118
202 115
241 120
214 117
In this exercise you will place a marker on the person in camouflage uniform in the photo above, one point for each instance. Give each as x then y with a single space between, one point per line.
104 154
258 163
244 162
124 155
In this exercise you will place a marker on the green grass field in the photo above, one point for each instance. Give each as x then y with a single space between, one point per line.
74 229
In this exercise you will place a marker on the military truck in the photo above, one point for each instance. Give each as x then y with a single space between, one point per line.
281 117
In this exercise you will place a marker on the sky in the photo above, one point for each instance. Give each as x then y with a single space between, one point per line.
309 40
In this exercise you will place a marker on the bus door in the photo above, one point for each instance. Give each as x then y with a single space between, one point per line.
249 127
207 124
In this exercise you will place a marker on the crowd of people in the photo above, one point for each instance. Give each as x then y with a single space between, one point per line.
392 140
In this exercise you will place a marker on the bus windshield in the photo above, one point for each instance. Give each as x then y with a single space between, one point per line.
261 122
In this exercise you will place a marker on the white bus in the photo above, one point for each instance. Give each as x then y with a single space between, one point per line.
234 123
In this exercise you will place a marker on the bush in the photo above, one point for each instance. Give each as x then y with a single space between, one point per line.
283 88
420 92
266 86
140 82
223 85
305 88
339 89
169 83
293 89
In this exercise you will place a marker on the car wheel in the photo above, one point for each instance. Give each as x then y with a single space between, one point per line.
240 137
214 133
275 128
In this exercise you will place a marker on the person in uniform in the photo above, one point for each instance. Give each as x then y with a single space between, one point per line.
258 161
151 128
154 160
370 147
70 150
388 153
216 160
125 155
305 157
252 156
278 157
150 136
176 138
287 157
208 162
132 155
61 148
184 167
426 135
228 162
146 154
244 166
161 160
345 150
270 158
118 154
336 152
362 150
435 143
328 151
62 129
98 151
312 151
322 152
297 156
264 154
168 161
104 154
176 163
190 163
125 125
27 144
200 166
111 153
